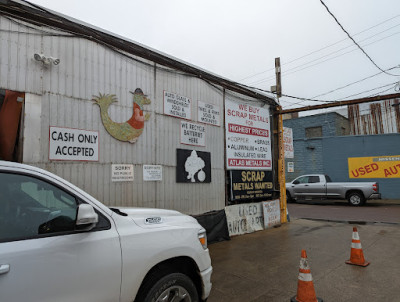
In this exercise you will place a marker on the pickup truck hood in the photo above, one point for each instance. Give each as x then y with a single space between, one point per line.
158 218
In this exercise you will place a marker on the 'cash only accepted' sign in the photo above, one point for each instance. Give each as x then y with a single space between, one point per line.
73 144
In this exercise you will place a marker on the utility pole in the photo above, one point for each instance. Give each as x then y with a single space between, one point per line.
281 158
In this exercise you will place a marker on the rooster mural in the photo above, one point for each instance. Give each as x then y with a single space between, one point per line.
132 128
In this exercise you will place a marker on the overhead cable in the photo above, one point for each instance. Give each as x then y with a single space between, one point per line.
351 38
293 70
325 47
350 84
347 97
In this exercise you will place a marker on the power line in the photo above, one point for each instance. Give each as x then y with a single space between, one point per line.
350 84
341 99
323 48
367 91
287 72
351 38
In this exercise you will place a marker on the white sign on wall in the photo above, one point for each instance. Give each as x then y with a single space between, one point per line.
73 144
244 218
152 172
288 142
272 214
193 134
248 139
290 167
208 114
121 172
177 105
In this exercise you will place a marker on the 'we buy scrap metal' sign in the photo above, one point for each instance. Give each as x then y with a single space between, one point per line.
248 137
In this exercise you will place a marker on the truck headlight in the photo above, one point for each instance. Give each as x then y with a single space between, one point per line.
202 235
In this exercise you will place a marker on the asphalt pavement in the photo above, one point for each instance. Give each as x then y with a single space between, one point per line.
387 211
264 266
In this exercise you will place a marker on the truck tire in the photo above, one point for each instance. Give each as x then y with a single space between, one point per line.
356 199
289 198
172 287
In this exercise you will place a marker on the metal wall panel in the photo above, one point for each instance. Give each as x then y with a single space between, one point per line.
375 118
63 97
18 44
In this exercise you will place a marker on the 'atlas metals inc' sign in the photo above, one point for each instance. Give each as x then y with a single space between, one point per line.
73 144
248 140
374 167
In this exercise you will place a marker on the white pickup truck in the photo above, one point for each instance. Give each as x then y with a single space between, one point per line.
319 186
57 243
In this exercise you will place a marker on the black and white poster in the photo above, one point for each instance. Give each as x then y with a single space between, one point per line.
250 184
193 166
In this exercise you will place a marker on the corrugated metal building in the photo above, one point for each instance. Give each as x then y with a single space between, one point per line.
375 118
61 65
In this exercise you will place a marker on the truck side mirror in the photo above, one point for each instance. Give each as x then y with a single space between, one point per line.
87 218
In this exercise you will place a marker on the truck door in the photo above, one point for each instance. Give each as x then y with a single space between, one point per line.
300 186
42 257
316 187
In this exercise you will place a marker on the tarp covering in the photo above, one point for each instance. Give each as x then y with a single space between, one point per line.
10 114
215 224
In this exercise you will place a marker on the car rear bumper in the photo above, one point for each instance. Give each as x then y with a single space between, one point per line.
375 196
206 279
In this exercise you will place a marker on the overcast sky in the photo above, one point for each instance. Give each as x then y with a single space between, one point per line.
240 39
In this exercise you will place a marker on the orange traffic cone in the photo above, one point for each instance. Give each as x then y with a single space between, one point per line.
305 285
356 255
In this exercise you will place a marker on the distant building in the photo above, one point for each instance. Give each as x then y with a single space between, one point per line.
307 143
327 143
375 118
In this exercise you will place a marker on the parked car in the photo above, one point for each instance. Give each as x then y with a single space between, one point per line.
319 186
58 243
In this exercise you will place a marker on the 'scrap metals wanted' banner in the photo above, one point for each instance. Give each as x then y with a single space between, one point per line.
248 140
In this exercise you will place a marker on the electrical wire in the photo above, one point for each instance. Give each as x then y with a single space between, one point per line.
367 91
341 99
323 48
286 73
351 38
350 84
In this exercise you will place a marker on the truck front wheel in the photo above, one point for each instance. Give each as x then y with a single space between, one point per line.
173 287
289 198
356 198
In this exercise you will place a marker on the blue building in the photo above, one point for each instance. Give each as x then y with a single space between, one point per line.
322 144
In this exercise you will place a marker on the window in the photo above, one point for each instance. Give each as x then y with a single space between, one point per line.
314 132
30 207
313 179
301 180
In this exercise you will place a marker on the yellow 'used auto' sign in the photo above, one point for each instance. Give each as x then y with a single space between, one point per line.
374 167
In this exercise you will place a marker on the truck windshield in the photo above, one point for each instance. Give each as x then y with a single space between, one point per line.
328 179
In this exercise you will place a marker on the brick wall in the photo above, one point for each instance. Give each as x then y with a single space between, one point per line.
308 152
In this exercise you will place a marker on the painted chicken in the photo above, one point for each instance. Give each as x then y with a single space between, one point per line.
132 128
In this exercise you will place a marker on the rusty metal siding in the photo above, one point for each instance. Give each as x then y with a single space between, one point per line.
375 118
64 95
